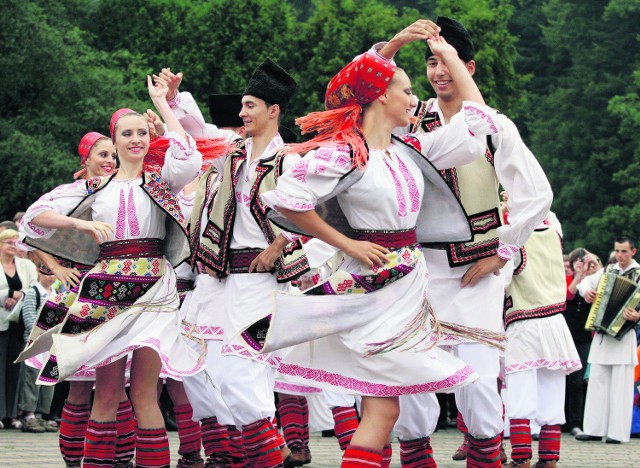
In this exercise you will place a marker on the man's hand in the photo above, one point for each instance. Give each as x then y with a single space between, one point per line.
266 260
422 29
482 268
631 314
173 81
589 295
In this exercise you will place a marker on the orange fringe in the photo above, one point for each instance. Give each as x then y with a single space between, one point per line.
210 148
338 127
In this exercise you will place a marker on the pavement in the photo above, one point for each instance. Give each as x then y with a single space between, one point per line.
18 449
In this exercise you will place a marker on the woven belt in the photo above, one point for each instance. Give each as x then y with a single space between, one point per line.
389 239
435 245
131 248
184 285
240 260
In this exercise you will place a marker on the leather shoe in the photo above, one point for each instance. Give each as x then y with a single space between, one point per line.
586 437
460 455
612 441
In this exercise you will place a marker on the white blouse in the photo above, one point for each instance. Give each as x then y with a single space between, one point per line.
122 204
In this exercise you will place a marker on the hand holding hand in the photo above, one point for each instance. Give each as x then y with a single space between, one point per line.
441 48
159 90
421 29
173 81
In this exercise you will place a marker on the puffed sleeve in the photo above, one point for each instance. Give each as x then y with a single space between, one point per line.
523 178
311 178
463 139
62 200
182 162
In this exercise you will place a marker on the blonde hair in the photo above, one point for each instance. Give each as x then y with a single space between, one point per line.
9 234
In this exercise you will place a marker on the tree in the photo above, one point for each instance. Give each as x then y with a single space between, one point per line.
573 131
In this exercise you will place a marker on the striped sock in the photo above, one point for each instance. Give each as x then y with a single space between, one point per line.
484 453
520 430
345 421
417 453
126 429
549 443
100 444
73 425
152 448
290 414
215 439
236 447
387 452
361 457
188 430
305 429
261 444
462 427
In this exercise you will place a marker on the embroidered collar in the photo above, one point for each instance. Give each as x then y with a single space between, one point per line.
274 145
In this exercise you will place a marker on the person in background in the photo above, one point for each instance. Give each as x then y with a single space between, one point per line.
34 400
17 275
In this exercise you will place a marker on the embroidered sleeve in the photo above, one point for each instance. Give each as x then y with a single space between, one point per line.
506 251
62 200
461 141
182 162
311 178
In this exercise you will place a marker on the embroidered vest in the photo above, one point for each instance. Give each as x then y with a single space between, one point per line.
538 288
633 273
76 246
207 190
215 241
476 186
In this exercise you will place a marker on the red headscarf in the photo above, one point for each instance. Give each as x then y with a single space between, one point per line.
115 117
362 81
84 148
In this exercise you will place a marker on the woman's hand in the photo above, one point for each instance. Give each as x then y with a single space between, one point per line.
69 277
101 232
368 253
441 48
421 29
159 90
156 125
173 81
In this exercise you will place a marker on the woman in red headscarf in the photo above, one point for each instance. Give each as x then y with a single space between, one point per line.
392 197
130 226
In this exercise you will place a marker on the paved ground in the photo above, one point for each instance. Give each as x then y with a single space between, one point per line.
19 449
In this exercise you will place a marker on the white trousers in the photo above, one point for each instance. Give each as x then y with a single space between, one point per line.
203 389
609 404
480 402
418 416
537 395
247 389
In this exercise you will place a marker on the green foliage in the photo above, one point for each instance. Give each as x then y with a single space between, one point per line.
573 126
568 70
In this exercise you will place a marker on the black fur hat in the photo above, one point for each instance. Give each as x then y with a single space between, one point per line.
457 35
271 83
224 110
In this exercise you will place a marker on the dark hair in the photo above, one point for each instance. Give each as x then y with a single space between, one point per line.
576 254
623 239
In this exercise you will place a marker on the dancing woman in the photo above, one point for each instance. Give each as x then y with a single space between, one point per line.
375 303
128 302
